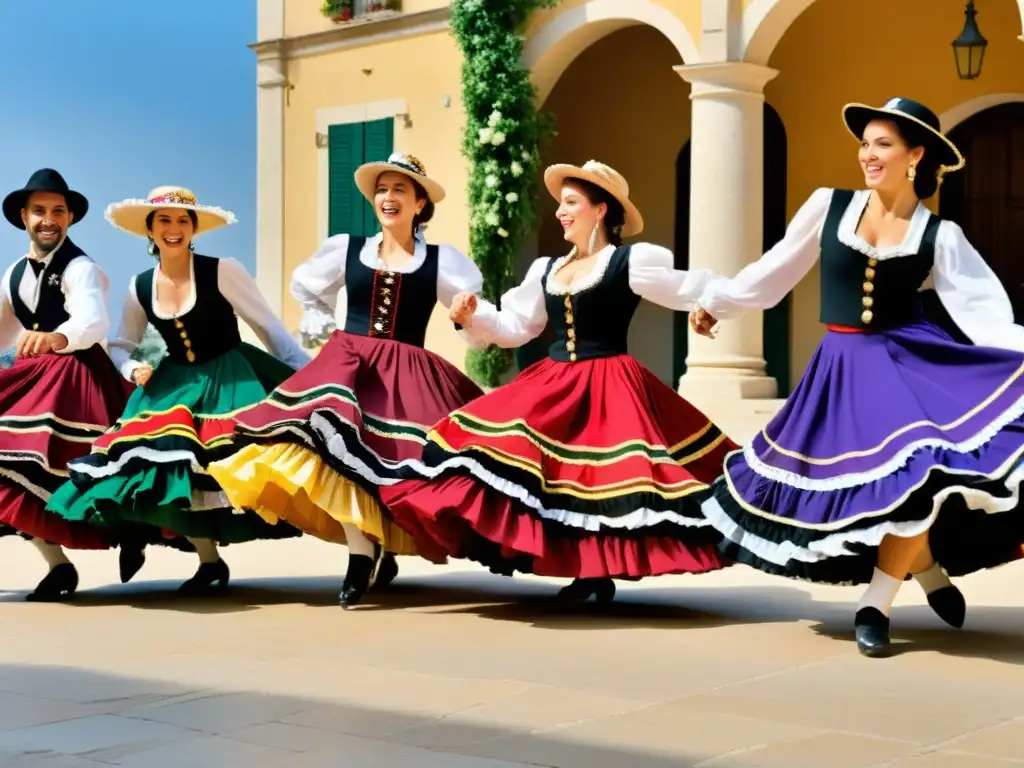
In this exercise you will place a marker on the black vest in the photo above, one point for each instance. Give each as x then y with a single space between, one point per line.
594 322
384 304
206 331
49 313
862 292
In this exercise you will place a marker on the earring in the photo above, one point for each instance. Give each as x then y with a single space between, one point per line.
593 239
191 247
912 172
151 249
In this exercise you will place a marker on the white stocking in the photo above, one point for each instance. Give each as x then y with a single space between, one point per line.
358 544
53 554
206 550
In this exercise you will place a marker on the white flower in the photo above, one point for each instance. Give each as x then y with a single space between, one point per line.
498 138
502 232
516 168
526 156
511 197
486 134
492 219
491 180
494 119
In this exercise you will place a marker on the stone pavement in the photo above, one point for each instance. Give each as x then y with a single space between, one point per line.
454 668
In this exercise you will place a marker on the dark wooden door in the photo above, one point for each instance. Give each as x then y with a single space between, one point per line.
986 198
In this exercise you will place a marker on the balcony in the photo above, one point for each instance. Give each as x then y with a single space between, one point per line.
360 11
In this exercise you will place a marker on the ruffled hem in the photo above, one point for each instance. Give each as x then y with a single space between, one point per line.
27 514
290 483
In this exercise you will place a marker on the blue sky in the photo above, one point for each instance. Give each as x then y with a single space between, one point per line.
121 96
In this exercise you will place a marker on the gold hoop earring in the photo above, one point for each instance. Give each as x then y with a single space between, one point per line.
912 172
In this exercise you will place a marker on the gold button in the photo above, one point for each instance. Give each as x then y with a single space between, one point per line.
867 301
188 343
190 356
571 332
568 302
866 316
869 273
35 326
571 346
872 262
569 318
184 334
572 357
178 324
868 287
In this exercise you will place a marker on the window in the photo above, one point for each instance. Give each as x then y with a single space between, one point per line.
348 146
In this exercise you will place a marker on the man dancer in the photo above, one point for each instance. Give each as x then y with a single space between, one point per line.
63 391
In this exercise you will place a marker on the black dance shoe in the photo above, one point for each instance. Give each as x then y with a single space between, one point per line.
581 590
210 579
358 578
130 560
387 570
871 628
949 605
59 584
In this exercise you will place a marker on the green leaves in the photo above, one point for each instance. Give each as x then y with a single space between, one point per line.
502 142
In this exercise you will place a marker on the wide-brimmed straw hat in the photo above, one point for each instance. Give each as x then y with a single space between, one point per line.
44 180
368 174
603 176
909 114
130 215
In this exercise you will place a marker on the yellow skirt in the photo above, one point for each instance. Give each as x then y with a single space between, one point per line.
290 483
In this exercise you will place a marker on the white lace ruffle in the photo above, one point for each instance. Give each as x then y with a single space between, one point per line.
910 245
585 283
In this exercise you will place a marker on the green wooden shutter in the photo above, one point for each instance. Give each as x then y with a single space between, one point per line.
378 144
344 154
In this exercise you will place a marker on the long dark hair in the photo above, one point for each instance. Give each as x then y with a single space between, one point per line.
614 219
926 182
154 249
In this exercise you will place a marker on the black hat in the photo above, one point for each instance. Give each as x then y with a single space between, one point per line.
44 180
913 115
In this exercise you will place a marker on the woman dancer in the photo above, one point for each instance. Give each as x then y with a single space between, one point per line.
372 392
151 466
899 444
585 465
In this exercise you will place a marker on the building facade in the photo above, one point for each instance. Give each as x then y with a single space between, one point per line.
724 115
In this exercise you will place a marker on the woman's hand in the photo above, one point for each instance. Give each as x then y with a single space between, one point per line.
703 322
142 374
463 308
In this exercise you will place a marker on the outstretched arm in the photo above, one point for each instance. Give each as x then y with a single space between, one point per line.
521 319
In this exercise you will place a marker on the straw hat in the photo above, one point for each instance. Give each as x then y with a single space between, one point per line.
603 176
130 215
907 112
367 175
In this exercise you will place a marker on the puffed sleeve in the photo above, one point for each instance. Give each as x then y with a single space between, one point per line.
129 333
316 284
456 273
652 276
522 316
971 292
241 291
765 282
85 288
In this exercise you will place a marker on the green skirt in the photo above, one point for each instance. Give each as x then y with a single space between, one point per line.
150 467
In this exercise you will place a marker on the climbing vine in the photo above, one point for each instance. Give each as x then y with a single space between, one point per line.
502 142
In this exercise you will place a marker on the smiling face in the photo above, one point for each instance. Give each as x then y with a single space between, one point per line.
46 218
885 156
396 203
578 215
172 229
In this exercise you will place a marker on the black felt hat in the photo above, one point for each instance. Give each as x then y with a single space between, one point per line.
44 180
908 114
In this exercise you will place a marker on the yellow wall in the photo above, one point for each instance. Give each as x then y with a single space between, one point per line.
689 11
901 49
423 70
303 17
603 115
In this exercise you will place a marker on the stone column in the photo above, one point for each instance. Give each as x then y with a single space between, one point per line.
270 106
726 222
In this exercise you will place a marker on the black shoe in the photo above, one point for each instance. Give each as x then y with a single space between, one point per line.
581 590
130 560
387 570
949 605
59 584
871 628
211 578
358 578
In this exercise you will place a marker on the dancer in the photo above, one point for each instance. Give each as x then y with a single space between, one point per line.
150 468
585 465
63 391
371 394
898 443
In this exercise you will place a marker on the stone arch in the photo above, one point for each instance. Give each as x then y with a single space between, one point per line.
957 114
550 51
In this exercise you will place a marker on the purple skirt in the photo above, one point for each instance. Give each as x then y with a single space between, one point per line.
895 432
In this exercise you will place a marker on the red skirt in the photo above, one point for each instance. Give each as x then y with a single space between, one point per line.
587 469
52 409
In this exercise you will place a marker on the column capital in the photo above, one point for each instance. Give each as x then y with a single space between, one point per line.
270 72
738 76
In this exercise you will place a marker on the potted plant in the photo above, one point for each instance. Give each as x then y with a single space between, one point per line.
338 11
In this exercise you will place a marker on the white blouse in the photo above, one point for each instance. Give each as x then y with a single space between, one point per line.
523 314
84 286
966 285
235 285
318 281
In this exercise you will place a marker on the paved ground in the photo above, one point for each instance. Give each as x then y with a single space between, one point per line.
458 669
